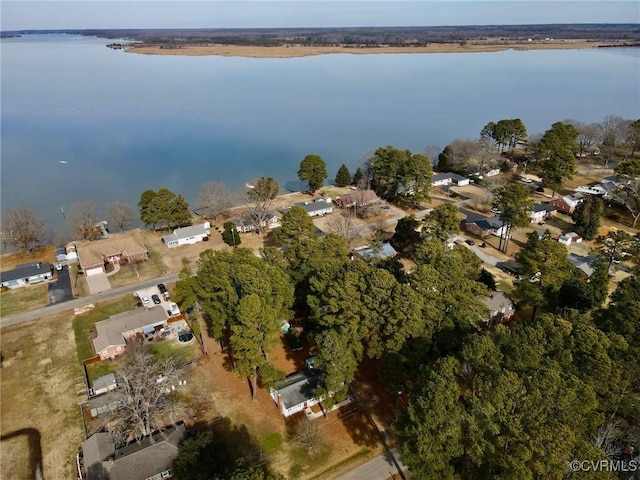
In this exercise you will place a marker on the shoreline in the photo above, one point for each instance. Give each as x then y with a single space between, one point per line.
295 51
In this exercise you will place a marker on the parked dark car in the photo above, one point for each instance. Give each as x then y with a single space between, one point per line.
162 288
156 299
470 242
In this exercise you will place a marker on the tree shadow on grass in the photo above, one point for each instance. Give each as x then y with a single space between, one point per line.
215 450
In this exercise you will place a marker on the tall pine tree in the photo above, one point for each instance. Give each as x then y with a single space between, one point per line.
343 177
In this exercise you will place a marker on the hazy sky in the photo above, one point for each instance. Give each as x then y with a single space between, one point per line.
49 14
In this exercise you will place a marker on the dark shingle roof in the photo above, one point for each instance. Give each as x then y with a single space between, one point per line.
25 270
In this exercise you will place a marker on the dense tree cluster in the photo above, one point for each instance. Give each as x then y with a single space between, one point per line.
400 173
505 133
164 209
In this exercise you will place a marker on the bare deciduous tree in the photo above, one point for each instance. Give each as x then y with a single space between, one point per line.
346 226
213 199
307 433
146 395
588 135
462 151
22 229
120 214
629 195
260 196
83 218
608 437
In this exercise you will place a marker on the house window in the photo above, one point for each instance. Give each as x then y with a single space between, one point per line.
165 474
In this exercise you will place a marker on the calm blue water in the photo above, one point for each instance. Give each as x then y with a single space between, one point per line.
126 123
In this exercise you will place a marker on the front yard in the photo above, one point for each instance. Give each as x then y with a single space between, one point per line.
22 299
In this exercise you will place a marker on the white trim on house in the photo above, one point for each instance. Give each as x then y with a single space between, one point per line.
188 235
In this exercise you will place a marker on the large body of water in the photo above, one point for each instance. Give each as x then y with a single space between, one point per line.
125 123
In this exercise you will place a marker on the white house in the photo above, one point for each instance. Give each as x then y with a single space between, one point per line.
295 393
541 211
188 235
318 208
26 274
449 178
493 172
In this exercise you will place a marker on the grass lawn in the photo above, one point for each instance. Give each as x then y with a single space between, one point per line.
83 325
181 353
21 299
38 378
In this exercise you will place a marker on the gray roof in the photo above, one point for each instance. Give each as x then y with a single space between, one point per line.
443 176
489 223
136 461
497 301
186 232
583 263
25 270
104 381
110 331
96 450
367 252
310 207
543 207
298 387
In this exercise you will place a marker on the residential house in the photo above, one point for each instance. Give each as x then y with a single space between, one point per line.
501 307
358 199
149 459
116 249
583 263
567 204
188 235
248 224
541 211
493 172
368 253
486 226
114 333
318 208
295 393
26 274
449 178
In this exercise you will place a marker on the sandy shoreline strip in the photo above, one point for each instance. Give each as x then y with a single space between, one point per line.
291 51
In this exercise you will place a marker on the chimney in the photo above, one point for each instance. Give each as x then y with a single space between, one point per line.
38 265
280 405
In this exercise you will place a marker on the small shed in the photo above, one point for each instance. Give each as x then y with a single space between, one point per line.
61 253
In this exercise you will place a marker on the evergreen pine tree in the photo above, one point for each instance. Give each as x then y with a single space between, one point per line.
230 234
357 176
343 177
587 217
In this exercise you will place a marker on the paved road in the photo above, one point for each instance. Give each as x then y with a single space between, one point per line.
81 302
378 468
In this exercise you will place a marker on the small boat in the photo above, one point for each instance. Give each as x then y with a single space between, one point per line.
63 161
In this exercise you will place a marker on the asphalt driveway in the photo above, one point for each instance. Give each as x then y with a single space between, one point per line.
60 290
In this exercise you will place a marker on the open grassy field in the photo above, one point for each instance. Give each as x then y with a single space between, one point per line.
38 400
